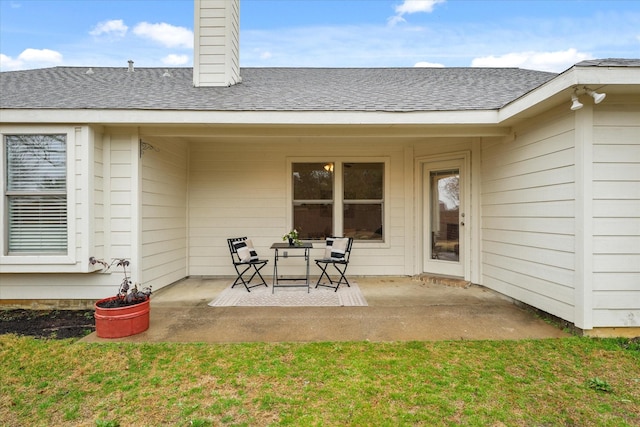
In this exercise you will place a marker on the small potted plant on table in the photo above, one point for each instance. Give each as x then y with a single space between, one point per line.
126 313
293 237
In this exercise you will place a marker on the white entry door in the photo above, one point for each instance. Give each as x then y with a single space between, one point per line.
444 231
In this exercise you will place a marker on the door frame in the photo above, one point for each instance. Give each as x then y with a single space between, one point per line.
423 244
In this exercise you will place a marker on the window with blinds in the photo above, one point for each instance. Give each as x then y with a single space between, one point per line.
36 194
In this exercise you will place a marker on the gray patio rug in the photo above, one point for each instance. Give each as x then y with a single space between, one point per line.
290 297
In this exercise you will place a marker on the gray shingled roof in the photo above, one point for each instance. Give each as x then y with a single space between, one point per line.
270 89
610 62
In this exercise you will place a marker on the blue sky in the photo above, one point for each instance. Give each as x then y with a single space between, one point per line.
543 35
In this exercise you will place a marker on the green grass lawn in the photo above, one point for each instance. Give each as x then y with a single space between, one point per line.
559 382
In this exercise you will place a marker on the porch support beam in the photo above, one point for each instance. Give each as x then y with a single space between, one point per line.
328 131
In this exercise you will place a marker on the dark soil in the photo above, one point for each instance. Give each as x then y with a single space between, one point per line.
51 324
120 302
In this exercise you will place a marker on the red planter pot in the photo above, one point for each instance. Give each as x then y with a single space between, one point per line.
122 321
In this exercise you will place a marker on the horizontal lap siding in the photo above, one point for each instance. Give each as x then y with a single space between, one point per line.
218 43
616 215
120 196
235 189
240 189
528 210
164 213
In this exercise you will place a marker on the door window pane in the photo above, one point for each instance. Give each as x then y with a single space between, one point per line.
445 210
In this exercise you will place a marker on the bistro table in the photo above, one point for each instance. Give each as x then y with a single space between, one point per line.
284 250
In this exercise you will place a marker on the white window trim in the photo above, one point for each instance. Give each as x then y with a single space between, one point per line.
338 161
39 263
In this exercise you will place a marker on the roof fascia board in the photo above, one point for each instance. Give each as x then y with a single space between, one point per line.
601 76
320 131
150 117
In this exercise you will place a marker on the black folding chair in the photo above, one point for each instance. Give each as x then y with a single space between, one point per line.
245 259
337 256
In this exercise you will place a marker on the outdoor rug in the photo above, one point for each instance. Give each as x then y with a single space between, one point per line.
262 296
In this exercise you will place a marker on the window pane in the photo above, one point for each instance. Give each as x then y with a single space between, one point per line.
363 221
313 181
36 196
313 221
363 181
363 200
37 224
36 163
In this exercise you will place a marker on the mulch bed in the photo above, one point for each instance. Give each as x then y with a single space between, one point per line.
50 324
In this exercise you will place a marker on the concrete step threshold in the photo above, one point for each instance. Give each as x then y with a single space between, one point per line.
455 282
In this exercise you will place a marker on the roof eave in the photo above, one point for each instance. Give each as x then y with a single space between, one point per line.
185 117
559 90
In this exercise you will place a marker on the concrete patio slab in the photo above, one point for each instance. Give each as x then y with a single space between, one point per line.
400 309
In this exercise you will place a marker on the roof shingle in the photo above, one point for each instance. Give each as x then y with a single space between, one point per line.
270 89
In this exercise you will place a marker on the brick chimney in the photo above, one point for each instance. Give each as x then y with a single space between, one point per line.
216 57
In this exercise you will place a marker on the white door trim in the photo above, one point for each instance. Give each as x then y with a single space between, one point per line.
422 247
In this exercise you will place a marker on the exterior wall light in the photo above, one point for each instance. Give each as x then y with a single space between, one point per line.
575 102
597 97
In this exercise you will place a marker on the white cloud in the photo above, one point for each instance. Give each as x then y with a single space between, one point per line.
41 56
423 64
115 27
544 61
7 63
265 55
174 59
414 6
166 34
30 58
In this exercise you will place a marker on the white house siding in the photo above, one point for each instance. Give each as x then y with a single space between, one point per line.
122 183
164 213
217 43
115 194
616 213
528 214
241 189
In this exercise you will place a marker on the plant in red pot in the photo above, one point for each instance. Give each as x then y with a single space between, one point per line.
126 313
